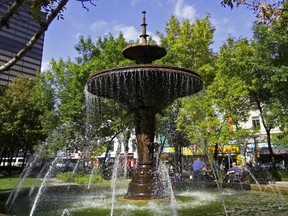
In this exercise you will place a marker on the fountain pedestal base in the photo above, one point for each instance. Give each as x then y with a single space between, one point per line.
145 184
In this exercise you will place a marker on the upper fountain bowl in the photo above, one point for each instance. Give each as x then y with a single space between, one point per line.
144 53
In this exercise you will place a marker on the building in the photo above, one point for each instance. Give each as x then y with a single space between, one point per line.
13 38
258 144
255 121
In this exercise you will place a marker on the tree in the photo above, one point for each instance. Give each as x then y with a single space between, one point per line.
167 128
267 12
21 115
67 78
105 53
260 65
188 46
92 125
270 75
229 93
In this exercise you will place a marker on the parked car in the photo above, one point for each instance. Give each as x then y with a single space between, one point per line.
65 165
15 161
280 166
266 166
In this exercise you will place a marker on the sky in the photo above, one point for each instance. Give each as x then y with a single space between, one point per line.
114 16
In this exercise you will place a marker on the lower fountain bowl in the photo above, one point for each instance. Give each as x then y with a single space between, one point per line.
145 85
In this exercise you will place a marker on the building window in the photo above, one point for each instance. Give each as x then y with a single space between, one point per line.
256 122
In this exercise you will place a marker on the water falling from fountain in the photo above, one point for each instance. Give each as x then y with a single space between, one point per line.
13 195
169 189
73 173
219 184
90 178
113 184
37 179
42 187
65 212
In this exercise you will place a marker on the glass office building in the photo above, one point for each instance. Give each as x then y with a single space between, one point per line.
13 38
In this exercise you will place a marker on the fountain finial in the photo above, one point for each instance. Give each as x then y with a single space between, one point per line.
144 53
144 35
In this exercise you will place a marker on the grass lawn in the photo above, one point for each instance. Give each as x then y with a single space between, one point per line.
9 183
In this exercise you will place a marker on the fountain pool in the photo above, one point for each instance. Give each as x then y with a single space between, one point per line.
97 201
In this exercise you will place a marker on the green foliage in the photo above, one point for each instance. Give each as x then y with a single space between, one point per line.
21 116
250 75
80 178
45 100
68 79
191 118
271 66
188 46
228 93
77 119
105 53
279 175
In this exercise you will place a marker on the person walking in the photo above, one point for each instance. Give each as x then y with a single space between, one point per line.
197 167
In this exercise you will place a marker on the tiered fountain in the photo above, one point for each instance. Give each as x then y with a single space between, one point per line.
145 89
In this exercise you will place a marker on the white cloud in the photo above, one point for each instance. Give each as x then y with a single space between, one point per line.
129 32
45 66
98 26
133 2
155 37
221 24
224 27
184 11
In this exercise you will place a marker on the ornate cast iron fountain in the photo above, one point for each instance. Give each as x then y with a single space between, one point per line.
145 89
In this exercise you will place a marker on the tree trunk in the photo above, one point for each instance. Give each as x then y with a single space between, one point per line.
268 134
272 157
216 154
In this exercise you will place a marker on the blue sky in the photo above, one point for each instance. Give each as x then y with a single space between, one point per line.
113 16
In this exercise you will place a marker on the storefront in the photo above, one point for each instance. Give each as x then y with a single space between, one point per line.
226 154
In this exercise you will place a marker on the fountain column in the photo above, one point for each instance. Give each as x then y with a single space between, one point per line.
145 130
144 181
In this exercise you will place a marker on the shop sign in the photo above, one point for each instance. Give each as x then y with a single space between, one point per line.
192 150
227 149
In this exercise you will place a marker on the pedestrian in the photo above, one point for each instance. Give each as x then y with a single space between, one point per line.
235 172
197 167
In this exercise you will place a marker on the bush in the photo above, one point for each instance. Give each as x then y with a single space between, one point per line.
279 175
65 176
80 178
